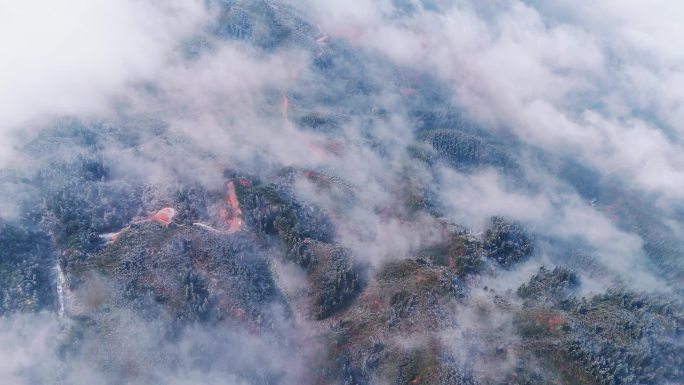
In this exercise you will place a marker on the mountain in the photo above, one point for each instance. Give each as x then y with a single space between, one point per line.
285 205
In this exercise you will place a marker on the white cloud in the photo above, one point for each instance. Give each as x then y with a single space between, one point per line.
601 83
70 57
550 212
566 76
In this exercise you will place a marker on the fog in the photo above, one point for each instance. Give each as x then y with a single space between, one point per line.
573 114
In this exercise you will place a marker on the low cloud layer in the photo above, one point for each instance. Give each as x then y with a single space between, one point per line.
593 83
76 57
568 118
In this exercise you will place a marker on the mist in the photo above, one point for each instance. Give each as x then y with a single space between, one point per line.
321 165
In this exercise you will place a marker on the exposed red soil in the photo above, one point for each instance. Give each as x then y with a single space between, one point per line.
164 216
